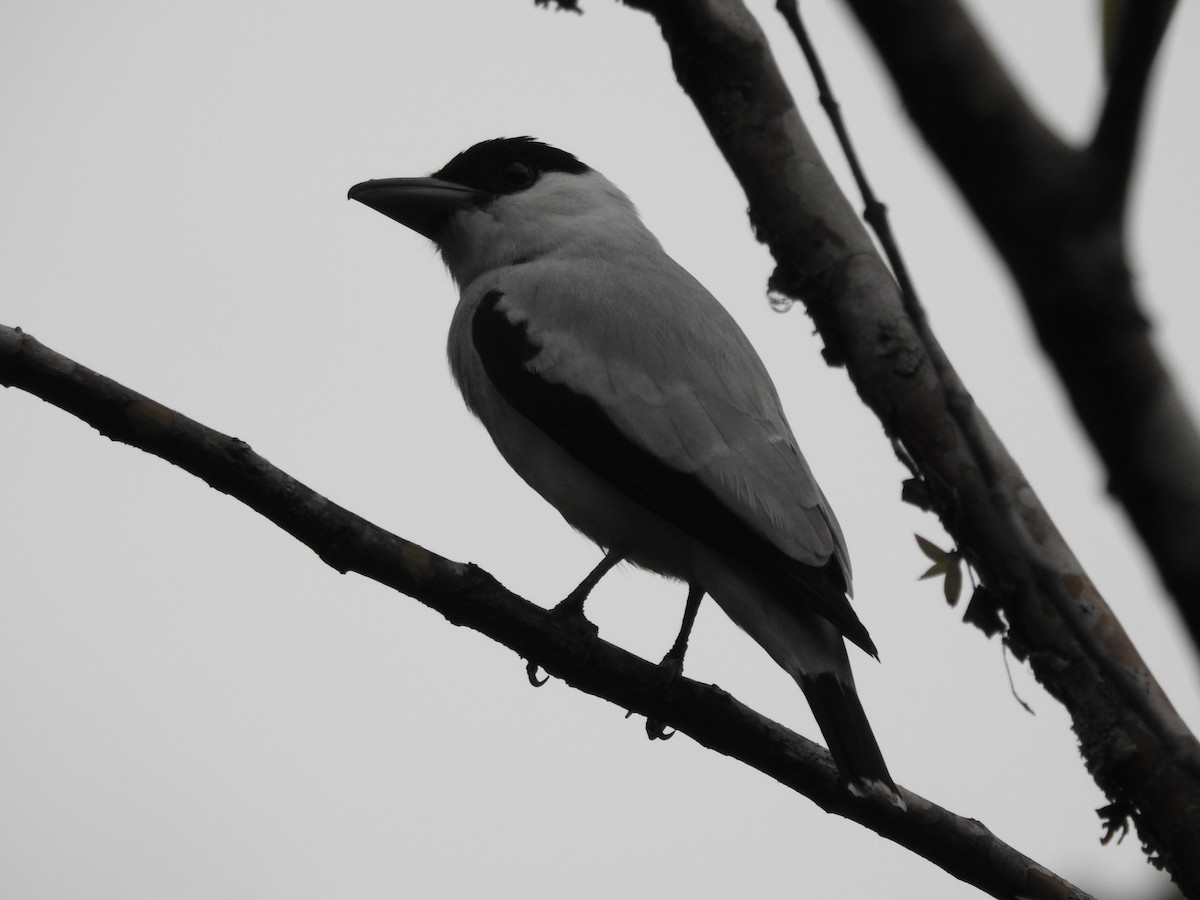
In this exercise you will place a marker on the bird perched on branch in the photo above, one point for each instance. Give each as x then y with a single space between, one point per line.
625 394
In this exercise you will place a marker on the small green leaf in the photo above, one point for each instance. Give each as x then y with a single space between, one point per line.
930 549
952 586
938 568
946 563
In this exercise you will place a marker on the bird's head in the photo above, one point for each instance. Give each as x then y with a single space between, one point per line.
507 201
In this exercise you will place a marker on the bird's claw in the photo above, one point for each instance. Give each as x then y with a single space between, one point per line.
657 731
531 670
672 668
568 612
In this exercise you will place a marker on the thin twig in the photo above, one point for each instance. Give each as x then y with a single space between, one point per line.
959 401
874 211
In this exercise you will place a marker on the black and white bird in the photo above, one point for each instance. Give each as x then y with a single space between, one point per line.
624 393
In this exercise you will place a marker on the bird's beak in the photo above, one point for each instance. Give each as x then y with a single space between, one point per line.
423 204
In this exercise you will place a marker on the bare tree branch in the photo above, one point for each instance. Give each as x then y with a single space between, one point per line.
1136 747
1056 214
466 595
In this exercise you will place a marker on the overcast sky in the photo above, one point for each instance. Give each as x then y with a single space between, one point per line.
193 706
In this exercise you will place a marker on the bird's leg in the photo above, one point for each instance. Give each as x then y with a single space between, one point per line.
570 609
673 661
572 606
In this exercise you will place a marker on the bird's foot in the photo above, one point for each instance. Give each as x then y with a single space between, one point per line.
570 612
657 731
671 667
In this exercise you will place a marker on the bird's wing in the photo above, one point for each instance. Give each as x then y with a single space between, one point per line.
646 379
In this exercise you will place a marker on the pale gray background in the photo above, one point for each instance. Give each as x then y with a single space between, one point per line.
193 706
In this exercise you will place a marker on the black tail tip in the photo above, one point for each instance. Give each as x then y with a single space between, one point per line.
848 735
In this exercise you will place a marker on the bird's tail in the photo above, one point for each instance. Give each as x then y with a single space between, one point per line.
852 744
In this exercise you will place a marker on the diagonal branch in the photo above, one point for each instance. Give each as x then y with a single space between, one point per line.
466 595
1056 214
1136 747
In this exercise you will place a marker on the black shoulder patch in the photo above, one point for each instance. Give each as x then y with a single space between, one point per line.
580 426
507 165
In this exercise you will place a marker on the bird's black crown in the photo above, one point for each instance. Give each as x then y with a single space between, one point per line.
508 165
